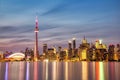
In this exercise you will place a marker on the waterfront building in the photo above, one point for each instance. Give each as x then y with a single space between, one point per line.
83 50
29 54
62 55
66 55
59 49
91 54
74 43
110 52
45 49
116 52
101 50
70 54
50 51
74 49
74 53
52 54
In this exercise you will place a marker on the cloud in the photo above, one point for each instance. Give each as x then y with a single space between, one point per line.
12 36
21 40
56 9
4 29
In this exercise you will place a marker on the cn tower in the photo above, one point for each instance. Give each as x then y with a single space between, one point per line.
36 40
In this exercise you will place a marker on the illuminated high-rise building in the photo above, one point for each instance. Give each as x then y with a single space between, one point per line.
97 44
84 41
83 49
36 40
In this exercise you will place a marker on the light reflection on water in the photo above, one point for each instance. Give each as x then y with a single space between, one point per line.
66 70
35 71
99 71
27 71
59 70
6 72
84 71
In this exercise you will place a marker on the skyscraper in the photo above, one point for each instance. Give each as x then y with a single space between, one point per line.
84 41
70 49
59 49
36 40
45 49
69 45
74 43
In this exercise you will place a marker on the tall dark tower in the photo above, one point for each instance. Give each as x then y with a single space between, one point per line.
69 45
70 49
45 49
36 40
59 49
74 43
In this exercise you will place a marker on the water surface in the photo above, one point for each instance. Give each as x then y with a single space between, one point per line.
60 70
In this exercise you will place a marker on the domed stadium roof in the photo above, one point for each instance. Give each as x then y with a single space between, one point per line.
16 56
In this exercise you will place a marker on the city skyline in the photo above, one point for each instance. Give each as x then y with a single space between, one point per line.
59 22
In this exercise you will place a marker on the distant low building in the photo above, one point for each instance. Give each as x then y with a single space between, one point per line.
1 55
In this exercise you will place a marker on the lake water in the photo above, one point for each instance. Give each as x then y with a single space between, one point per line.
60 70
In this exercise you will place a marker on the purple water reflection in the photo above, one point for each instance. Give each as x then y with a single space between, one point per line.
59 70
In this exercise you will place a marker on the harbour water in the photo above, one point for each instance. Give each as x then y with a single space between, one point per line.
59 70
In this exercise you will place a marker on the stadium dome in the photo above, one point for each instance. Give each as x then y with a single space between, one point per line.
16 56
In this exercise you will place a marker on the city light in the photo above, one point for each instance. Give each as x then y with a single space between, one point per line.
46 60
69 41
73 38
83 51
100 41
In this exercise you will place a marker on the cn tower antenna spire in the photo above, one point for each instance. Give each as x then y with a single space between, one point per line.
36 21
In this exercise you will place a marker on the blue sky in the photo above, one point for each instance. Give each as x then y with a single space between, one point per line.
59 21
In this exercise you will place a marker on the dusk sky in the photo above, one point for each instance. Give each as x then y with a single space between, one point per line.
59 21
